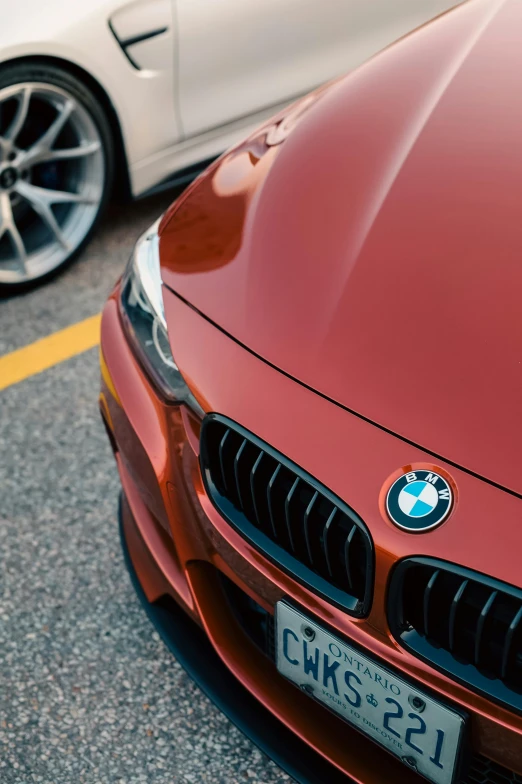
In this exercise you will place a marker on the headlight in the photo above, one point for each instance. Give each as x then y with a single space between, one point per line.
142 303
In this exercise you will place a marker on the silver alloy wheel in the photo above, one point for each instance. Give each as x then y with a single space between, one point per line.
52 175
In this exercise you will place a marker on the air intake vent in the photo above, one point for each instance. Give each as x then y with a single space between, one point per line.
288 515
463 622
484 771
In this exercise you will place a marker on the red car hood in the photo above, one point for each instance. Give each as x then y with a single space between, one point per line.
370 244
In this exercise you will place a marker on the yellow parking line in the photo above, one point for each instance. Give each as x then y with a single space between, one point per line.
49 351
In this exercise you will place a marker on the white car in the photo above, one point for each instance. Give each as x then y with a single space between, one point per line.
95 93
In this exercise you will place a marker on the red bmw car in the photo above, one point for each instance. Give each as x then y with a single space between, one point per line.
312 384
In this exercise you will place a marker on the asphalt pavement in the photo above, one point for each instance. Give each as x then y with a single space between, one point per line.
88 692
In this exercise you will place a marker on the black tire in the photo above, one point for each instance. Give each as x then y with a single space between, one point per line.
47 74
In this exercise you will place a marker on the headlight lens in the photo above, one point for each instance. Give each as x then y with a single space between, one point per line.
142 303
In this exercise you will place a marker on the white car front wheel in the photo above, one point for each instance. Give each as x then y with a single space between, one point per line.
56 168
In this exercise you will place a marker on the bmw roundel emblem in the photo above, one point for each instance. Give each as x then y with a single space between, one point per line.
419 500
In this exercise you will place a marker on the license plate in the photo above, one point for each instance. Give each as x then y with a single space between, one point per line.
422 732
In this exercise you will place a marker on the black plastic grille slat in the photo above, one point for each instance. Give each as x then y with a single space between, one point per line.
236 472
327 531
252 480
513 626
259 480
287 514
222 445
306 524
269 497
453 613
481 624
347 560
426 604
466 623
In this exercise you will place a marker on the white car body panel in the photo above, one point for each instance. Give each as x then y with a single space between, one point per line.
78 32
218 70
238 56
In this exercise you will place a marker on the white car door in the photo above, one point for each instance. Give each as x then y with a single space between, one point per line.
236 57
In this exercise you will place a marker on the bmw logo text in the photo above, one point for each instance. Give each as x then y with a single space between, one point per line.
419 500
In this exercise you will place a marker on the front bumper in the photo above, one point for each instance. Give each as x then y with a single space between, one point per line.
177 543
191 647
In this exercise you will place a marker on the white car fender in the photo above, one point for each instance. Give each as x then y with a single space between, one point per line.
80 34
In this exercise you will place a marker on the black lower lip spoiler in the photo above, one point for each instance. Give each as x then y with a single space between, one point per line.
196 655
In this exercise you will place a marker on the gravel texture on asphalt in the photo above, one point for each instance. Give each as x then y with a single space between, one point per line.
88 692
